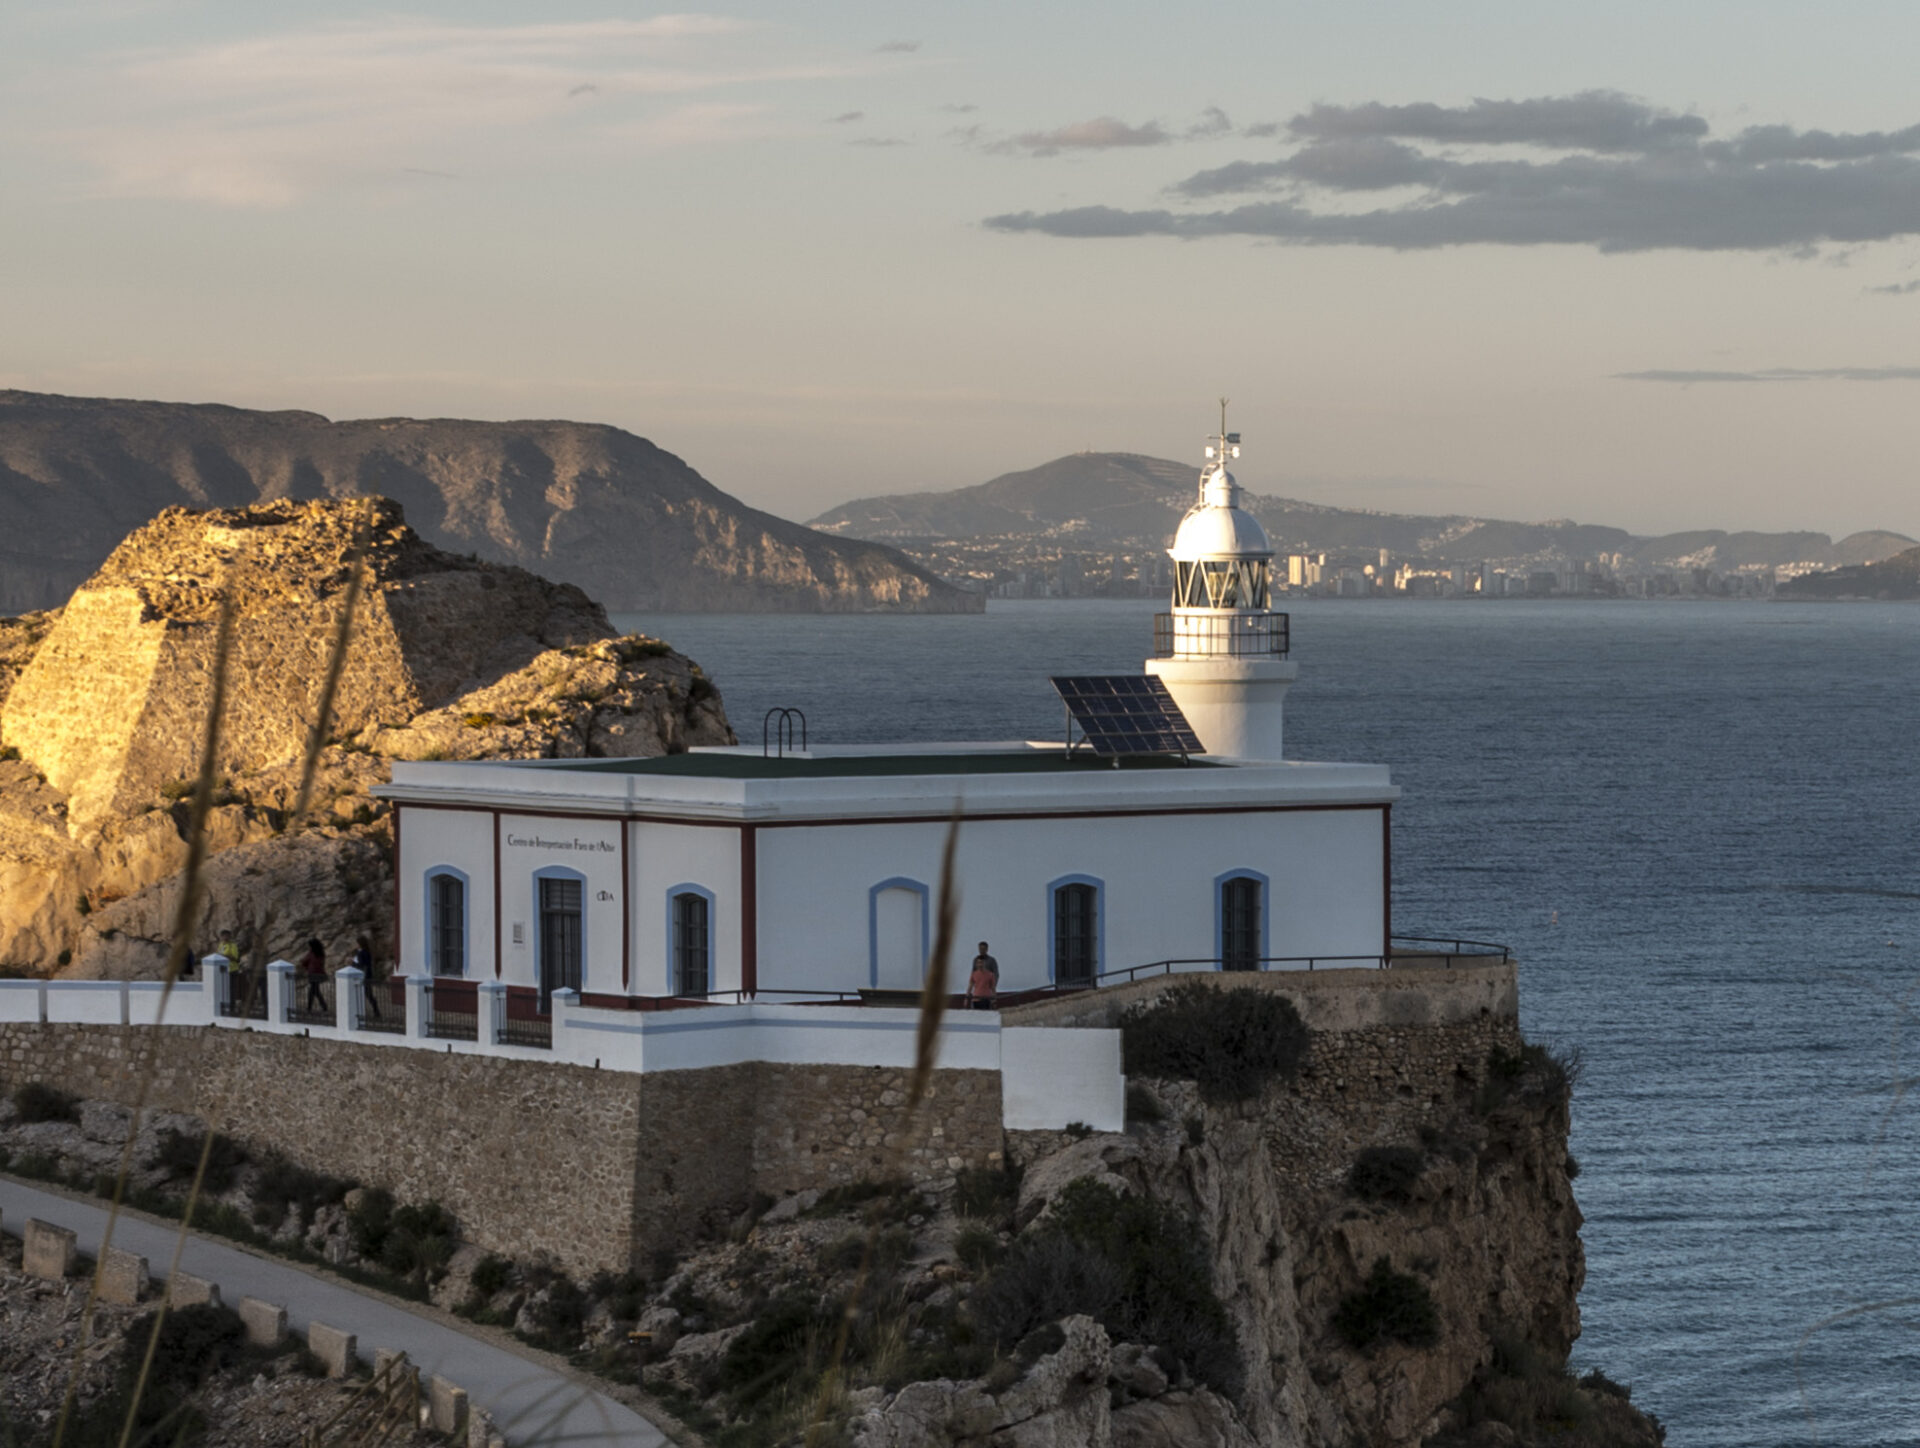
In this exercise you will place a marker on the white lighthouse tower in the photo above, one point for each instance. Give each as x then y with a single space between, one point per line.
1222 652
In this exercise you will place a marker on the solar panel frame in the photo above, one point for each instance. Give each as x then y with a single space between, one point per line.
1123 714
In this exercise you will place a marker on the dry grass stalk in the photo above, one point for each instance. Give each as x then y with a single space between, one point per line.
336 661
832 1390
184 909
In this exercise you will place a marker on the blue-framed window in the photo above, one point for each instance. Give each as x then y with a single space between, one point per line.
884 946
559 932
447 895
1240 926
690 922
1076 929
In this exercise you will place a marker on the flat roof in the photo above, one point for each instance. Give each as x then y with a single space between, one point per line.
729 765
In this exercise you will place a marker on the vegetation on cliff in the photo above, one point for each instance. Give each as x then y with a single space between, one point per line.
102 708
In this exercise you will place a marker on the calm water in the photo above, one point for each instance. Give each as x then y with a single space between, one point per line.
1700 826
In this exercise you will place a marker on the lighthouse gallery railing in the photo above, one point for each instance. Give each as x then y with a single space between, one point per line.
1254 635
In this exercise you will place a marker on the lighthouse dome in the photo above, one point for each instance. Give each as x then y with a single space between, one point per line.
1217 526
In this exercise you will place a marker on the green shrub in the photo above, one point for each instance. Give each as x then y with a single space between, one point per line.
180 1154
491 1274
36 1101
559 1315
1534 1072
1573 1167
283 1186
783 1346
1231 1042
1042 1279
480 721
1386 1174
1140 1267
891 1247
1143 1107
977 1248
412 1242
1391 1306
987 1192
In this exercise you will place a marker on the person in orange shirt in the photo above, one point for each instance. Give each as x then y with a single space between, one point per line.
984 983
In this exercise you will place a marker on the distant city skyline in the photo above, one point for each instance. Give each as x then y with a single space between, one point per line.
1645 265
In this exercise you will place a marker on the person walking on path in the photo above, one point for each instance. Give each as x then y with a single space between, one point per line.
363 962
983 984
315 965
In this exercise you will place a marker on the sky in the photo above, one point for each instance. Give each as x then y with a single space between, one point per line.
1650 265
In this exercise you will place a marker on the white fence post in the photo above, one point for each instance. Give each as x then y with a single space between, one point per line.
416 1006
348 982
493 1011
218 980
279 992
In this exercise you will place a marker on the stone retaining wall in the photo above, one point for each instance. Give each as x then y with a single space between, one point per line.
595 1168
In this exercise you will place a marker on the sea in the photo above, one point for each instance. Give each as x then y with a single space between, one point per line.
1698 825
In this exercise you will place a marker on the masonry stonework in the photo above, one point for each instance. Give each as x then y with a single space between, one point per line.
593 1168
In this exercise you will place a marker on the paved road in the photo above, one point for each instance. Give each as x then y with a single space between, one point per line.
532 1404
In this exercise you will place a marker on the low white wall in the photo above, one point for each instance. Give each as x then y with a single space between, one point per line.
688 1040
1053 1076
87 1002
22 1000
191 1003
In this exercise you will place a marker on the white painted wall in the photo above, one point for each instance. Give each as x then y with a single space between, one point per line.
462 839
664 857
1159 899
90 1002
1053 1076
22 1000
529 843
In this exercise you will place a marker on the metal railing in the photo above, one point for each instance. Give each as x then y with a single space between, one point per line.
246 995
1400 947
383 1008
521 1023
1200 635
298 1011
453 1009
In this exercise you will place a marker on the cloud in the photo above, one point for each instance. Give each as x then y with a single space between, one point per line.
897 47
1213 122
1589 121
960 108
879 141
845 117
1779 374
1102 133
1896 289
1595 169
270 119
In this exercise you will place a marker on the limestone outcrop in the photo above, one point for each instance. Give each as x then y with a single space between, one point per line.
103 706
594 506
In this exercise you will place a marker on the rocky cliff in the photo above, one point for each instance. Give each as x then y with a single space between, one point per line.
1889 580
102 705
590 505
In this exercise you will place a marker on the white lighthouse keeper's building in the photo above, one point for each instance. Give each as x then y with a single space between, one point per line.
750 873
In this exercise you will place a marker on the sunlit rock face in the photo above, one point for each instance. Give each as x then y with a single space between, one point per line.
103 710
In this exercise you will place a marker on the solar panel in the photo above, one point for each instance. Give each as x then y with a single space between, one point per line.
1126 714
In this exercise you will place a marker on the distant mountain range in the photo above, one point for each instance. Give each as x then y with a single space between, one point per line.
1115 500
634 526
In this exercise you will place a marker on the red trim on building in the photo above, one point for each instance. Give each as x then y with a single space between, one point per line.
749 910
626 910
